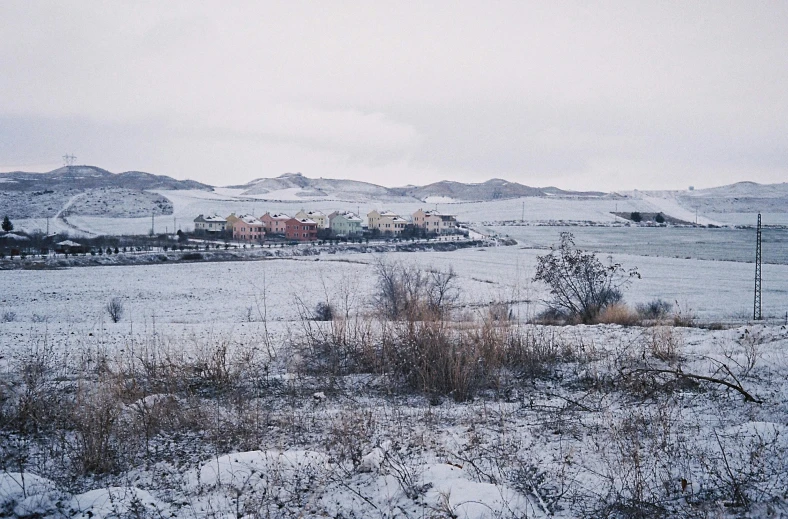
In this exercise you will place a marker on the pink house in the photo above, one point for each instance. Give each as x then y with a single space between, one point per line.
275 223
248 228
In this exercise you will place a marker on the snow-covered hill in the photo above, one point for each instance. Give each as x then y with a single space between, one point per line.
96 201
295 186
91 177
493 189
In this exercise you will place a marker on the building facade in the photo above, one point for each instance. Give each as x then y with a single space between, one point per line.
344 223
213 224
301 229
275 223
316 216
249 229
435 221
386 222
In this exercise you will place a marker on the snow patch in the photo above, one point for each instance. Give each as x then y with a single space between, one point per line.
106 503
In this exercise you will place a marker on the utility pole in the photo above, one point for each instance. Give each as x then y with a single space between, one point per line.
756 310
522 218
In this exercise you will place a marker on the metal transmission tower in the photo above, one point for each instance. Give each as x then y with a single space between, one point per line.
68 161
756 310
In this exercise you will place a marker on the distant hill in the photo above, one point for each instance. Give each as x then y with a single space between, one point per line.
88 191
295 186
91 177
494 189
741 197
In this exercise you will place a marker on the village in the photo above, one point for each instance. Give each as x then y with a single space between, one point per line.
236 231
316 225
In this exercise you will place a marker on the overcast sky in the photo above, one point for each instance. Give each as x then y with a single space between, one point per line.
611 96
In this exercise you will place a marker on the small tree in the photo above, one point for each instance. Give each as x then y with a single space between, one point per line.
659 218
580 285
636 216
115 309
7 225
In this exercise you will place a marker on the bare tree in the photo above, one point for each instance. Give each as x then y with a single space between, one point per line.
115 309
407 291
442 291
580 285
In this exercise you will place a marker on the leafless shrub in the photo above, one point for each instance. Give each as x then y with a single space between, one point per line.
656 309
665 344
38 399
337 347
500 311
432 357
94 420
748 466
683 317
531 351
115 309
581 286
648 464
8 317
409 292
750 342
403 468
323 312
348 437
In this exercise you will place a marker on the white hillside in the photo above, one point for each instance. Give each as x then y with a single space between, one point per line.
295 186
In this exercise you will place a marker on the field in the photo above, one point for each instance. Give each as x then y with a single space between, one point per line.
216 394
669 242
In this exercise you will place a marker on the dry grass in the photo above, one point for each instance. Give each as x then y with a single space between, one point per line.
618 313
665 344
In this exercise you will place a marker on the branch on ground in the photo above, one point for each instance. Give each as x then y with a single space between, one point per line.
679 374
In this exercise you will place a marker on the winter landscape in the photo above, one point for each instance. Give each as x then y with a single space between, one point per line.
390 377
446 259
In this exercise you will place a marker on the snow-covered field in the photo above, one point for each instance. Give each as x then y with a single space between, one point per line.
200 402
669 242
221 292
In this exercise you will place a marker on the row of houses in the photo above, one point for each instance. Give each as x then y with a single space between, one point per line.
304 226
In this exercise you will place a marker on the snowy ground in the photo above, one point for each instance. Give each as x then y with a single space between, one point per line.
199 403
222 292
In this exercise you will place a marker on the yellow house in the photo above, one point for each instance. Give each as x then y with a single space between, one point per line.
231 220
316 216
386 222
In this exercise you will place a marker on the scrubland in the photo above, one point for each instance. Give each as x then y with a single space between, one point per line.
422 385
